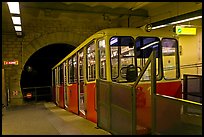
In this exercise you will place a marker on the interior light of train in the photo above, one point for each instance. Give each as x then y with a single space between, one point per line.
160 26
168 51
148 45
14 7
102 43
113 41
185 31
16 20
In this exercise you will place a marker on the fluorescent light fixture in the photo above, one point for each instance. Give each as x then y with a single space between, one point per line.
160 26
16 20
177 22
18 28
148 45
14 7
185 20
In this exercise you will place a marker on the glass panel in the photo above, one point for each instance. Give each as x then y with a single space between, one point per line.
81 82
144 46
169 51
61 75
121 41
114 62
91 62
75 68
65 83
71 72
102 59
122 56
81 59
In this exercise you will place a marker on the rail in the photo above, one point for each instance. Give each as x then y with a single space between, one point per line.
192 87
42 93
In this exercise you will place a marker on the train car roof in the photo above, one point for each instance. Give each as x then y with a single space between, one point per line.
118 32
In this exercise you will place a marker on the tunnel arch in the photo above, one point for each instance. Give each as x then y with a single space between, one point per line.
36 74
70 38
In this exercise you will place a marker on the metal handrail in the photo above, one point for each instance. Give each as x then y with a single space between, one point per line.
35 91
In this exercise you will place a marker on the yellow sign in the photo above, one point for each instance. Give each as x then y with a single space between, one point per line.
185 31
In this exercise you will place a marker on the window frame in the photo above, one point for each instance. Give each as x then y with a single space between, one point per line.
177 60
87 46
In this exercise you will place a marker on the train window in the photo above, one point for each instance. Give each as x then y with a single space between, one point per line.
102 59
81 60
121 41
114 62
122 55
91 74
72 70
61 77
75 68
56 75
170 58
144 47
64 71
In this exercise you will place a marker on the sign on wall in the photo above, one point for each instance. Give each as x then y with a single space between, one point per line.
15 62
185 31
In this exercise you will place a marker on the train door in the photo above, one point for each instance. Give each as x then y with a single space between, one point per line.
65 84
57 86
61 86
90 85
171 68
80 82
72 85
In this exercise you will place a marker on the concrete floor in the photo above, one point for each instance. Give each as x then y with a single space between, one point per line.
45 119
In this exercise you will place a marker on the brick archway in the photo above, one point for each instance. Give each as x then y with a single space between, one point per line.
52 38
36 44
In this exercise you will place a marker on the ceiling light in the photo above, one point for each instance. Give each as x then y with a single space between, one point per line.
18 28
148 45
14 7
178 19
185 20
160 26
16 20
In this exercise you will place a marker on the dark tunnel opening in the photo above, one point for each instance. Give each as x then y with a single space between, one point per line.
36 77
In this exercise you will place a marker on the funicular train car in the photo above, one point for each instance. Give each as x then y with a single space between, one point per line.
117 55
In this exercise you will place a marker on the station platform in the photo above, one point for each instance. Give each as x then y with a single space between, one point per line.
45 118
